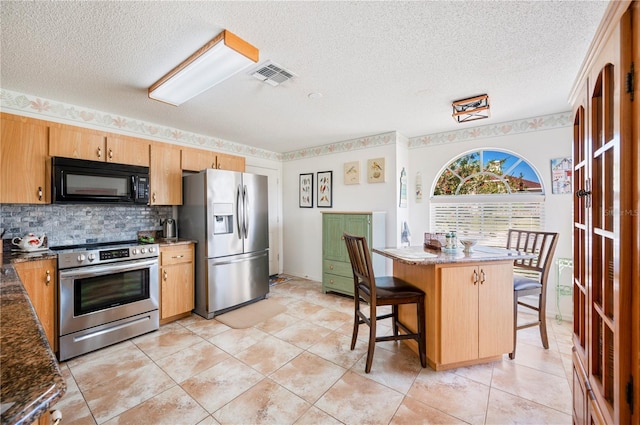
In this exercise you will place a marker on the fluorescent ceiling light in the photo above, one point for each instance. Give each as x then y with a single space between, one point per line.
213 63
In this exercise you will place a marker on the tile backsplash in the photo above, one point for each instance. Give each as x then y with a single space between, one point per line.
79 224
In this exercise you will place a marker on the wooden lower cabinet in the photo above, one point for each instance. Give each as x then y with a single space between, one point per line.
469 310
39 280
176 281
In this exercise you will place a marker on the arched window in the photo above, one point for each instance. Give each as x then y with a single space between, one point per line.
485 192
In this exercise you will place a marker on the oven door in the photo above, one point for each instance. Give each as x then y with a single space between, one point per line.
97 295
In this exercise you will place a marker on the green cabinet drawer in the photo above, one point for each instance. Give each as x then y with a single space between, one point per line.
339 268
332 282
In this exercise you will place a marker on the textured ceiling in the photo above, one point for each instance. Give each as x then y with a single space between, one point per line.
380 66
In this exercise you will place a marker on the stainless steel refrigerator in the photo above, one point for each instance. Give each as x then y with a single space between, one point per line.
226 212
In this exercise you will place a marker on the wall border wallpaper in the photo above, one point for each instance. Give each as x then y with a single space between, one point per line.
48 109
51 110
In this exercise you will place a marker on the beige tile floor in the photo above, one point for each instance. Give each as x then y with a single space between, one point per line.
297 368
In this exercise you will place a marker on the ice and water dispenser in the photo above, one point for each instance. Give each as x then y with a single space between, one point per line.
222 218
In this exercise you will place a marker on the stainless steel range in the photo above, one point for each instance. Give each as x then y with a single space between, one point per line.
107 293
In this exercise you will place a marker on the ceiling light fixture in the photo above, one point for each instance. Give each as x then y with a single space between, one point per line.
213 63
474 108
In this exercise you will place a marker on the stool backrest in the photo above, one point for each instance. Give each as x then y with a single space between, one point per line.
541 244
360 262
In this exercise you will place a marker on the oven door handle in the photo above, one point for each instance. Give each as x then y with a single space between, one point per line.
109 268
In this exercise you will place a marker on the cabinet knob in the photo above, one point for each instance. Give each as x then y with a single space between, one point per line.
475 277
164 275
331 280
154 197
177 256
482 276
331 267
110 154
39 193
99 152
48 278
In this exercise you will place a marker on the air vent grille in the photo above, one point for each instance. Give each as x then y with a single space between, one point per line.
272 74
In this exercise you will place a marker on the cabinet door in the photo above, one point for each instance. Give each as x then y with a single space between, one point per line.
458 314
333 245
73 142
23 163
197 159
230 162
165 175
495 309
177 289
39 280
127 150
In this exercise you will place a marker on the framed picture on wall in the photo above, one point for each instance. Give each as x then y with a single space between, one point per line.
325 189
352 172
305 189
375 170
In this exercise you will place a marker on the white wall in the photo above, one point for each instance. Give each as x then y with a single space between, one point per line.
538 148
303 229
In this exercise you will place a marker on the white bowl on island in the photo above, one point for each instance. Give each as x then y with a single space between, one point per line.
468 244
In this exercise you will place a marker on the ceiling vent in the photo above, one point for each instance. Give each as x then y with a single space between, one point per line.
272 74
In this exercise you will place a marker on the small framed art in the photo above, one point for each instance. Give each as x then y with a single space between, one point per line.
325 189
306 190
375 170
352 172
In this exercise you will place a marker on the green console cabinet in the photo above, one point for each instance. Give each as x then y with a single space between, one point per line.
336 267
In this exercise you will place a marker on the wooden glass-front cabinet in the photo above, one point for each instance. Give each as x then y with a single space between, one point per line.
337 275
39 280
606 281
24 164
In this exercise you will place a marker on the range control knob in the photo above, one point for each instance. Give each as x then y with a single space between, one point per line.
134 251
143 250
81 258
152 249
92 257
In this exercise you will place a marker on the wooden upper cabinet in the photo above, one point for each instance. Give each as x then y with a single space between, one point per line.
199 159
230 162
75 142
24 164
127 150
165 175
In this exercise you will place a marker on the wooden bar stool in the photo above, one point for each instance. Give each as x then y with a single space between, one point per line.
382 291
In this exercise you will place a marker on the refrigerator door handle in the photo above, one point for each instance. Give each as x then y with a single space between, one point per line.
245 212
239 215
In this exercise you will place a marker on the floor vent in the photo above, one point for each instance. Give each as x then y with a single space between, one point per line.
272 74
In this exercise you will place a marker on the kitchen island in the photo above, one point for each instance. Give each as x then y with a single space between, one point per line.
468 303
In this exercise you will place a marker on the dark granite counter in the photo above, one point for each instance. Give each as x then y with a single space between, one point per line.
31 379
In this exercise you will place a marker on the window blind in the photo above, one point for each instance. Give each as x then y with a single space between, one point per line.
487 222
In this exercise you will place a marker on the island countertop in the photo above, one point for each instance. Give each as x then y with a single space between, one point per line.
31 379
425 256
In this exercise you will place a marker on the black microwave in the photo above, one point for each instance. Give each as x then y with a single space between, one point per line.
83 181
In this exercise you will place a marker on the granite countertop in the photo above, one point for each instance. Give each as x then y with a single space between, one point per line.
168 242
425 256
31 379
